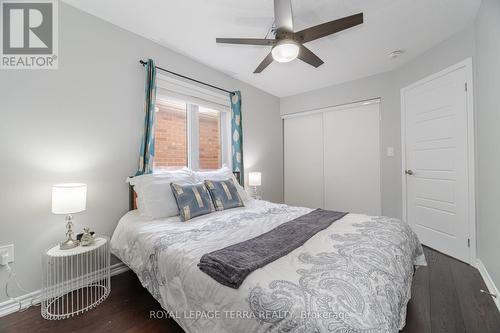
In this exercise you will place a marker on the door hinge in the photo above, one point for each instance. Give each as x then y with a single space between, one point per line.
465 86
468 242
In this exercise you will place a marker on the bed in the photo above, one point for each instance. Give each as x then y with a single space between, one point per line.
354 276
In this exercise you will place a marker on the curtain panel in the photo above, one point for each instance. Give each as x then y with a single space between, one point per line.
147 152
237 134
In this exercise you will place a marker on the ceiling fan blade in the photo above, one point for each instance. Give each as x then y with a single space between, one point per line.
283 17
309 57
246 41
264 63
329 28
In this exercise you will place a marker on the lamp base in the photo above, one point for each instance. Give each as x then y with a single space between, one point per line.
254 193
69 244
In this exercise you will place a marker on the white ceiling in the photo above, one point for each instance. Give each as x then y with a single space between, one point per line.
191 26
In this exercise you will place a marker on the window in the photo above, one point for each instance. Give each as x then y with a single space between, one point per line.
188 134
209 138
170 135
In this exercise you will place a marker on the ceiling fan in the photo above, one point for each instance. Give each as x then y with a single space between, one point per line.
287 44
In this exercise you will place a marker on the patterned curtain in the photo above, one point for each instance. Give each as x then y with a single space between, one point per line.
148 137
237 134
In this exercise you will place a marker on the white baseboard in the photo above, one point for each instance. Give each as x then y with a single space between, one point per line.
492 288
11 306
118 268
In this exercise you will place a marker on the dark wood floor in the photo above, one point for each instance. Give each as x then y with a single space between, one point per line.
445 298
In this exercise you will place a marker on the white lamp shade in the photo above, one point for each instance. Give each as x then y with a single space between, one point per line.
69 198
254 179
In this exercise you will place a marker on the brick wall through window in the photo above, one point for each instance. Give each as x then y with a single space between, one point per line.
210 151
170 135
171 145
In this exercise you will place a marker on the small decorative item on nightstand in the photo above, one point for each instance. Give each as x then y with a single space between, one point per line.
68 199
254 180
87 237
75 280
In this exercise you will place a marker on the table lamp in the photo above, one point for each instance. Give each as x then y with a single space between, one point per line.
254 180
69 199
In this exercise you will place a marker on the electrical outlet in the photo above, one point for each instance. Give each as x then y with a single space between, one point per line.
9 249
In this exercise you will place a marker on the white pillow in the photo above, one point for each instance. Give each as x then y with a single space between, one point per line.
154 195
222 174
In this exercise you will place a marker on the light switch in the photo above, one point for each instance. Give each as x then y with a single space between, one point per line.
390 151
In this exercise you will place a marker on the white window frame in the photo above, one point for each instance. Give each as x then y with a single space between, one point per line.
225 140
193 137
194 96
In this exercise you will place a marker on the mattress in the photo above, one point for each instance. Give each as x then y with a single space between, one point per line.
354 276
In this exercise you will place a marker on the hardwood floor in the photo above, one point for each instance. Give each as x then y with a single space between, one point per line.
126 310
445 298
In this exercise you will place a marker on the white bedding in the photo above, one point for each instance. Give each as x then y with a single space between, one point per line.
353 276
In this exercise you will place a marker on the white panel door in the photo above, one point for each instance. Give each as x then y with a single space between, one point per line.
303 160
436 150
352 159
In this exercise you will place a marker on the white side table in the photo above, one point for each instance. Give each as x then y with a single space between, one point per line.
75 280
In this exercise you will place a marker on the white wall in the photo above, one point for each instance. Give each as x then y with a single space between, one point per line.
488 135
83 122
387 86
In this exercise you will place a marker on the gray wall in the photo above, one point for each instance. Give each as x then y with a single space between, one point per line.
83 123
387 86
479 41
488 135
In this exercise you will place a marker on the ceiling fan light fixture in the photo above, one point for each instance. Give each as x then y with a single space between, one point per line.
288 44
285 51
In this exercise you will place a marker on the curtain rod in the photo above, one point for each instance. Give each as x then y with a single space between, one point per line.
188 78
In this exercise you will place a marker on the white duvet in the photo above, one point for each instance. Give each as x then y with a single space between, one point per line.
354 276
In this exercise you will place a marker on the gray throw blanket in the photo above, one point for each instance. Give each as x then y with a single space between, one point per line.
231 265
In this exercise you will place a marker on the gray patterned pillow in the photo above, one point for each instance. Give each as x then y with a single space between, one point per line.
192 200
224 194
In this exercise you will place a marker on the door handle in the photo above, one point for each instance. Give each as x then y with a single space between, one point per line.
409 172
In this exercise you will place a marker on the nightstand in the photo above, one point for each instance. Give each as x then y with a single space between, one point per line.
75 280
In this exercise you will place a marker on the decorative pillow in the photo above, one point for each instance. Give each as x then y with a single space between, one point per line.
192 200
154 196
224 194
222 174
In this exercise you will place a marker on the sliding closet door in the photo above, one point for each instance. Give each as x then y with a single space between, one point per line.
352 159
303 160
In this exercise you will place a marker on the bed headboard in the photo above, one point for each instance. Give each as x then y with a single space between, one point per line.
132 196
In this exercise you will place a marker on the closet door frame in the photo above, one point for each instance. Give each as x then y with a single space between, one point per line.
323 110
